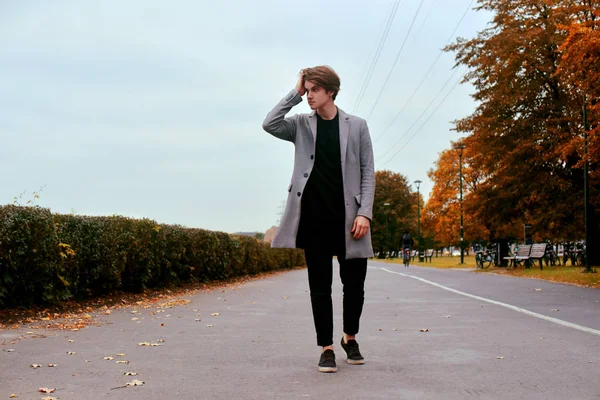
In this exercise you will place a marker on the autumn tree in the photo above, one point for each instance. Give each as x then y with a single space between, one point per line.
525 134
394 210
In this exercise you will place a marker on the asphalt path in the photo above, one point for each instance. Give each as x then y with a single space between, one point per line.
425 334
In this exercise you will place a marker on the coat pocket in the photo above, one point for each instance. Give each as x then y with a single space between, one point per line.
357 197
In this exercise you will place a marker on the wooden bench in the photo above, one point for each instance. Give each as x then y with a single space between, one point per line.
428 254
538 251
522 254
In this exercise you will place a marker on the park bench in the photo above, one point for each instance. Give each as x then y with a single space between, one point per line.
428 254
538 251
522 254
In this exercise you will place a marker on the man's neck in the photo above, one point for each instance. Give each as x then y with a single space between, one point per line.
328 111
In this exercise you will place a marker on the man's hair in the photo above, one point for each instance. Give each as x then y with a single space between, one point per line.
325 77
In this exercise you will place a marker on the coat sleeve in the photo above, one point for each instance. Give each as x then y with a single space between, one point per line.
367 171
275 122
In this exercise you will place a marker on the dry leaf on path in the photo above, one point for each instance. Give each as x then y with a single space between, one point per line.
13 396
9 350
425 330
46 390
109 358
447 316
49 398
135 382
71 353
500 358
130 373
70 341
123 362
35 366
538 290
52 365
121 354
215 314
209 326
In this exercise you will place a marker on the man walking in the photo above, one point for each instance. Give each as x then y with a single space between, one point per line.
330 203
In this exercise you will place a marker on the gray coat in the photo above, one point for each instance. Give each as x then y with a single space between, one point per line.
358 172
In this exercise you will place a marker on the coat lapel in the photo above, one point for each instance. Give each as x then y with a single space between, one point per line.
312 121
344 133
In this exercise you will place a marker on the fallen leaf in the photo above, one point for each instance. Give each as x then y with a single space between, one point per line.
209 326
538 290
555 309
215 314
9 350
35 366
198 319
425 330
135 382
134 318
49 398
71 353
13 396
162 324
107 312
500 358
285 297
121 354
122 362
394 329
70 341
161 341
380 330
144 344
30 333
135 312
447 316
130 373
46 390
109 358
52 365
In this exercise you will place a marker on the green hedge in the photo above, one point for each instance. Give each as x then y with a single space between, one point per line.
46 258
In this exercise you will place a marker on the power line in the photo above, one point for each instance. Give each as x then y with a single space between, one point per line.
422 113
363 89
427 74
427 120
396 60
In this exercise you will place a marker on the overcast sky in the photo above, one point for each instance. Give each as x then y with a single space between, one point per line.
154 108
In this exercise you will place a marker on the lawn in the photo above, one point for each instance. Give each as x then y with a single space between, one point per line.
571 275
439 262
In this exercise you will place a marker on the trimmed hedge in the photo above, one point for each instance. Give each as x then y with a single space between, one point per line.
47 258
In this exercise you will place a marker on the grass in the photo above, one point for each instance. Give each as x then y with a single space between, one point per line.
438 262
570 275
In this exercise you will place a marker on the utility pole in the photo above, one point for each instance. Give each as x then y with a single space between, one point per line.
460 149
280 213
586 189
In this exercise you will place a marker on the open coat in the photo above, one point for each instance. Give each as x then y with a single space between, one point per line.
358 172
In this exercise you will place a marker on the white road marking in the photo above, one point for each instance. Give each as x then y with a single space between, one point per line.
499 303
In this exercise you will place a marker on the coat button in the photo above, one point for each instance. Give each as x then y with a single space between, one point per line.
299 194
306 175
312 157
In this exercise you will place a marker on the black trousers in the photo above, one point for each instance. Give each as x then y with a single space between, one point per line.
319 260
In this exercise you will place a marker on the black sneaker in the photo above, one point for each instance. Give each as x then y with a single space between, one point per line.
327 362
353 353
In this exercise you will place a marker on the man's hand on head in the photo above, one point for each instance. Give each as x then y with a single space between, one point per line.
361 227
300 85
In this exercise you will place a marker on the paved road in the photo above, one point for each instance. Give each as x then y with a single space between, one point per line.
262 345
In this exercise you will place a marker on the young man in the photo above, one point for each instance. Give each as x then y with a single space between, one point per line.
330 202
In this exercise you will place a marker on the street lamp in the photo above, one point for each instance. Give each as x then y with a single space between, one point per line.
418 183
586 191
387 226
460 148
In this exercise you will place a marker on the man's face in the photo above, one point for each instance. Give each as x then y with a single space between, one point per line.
317 96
